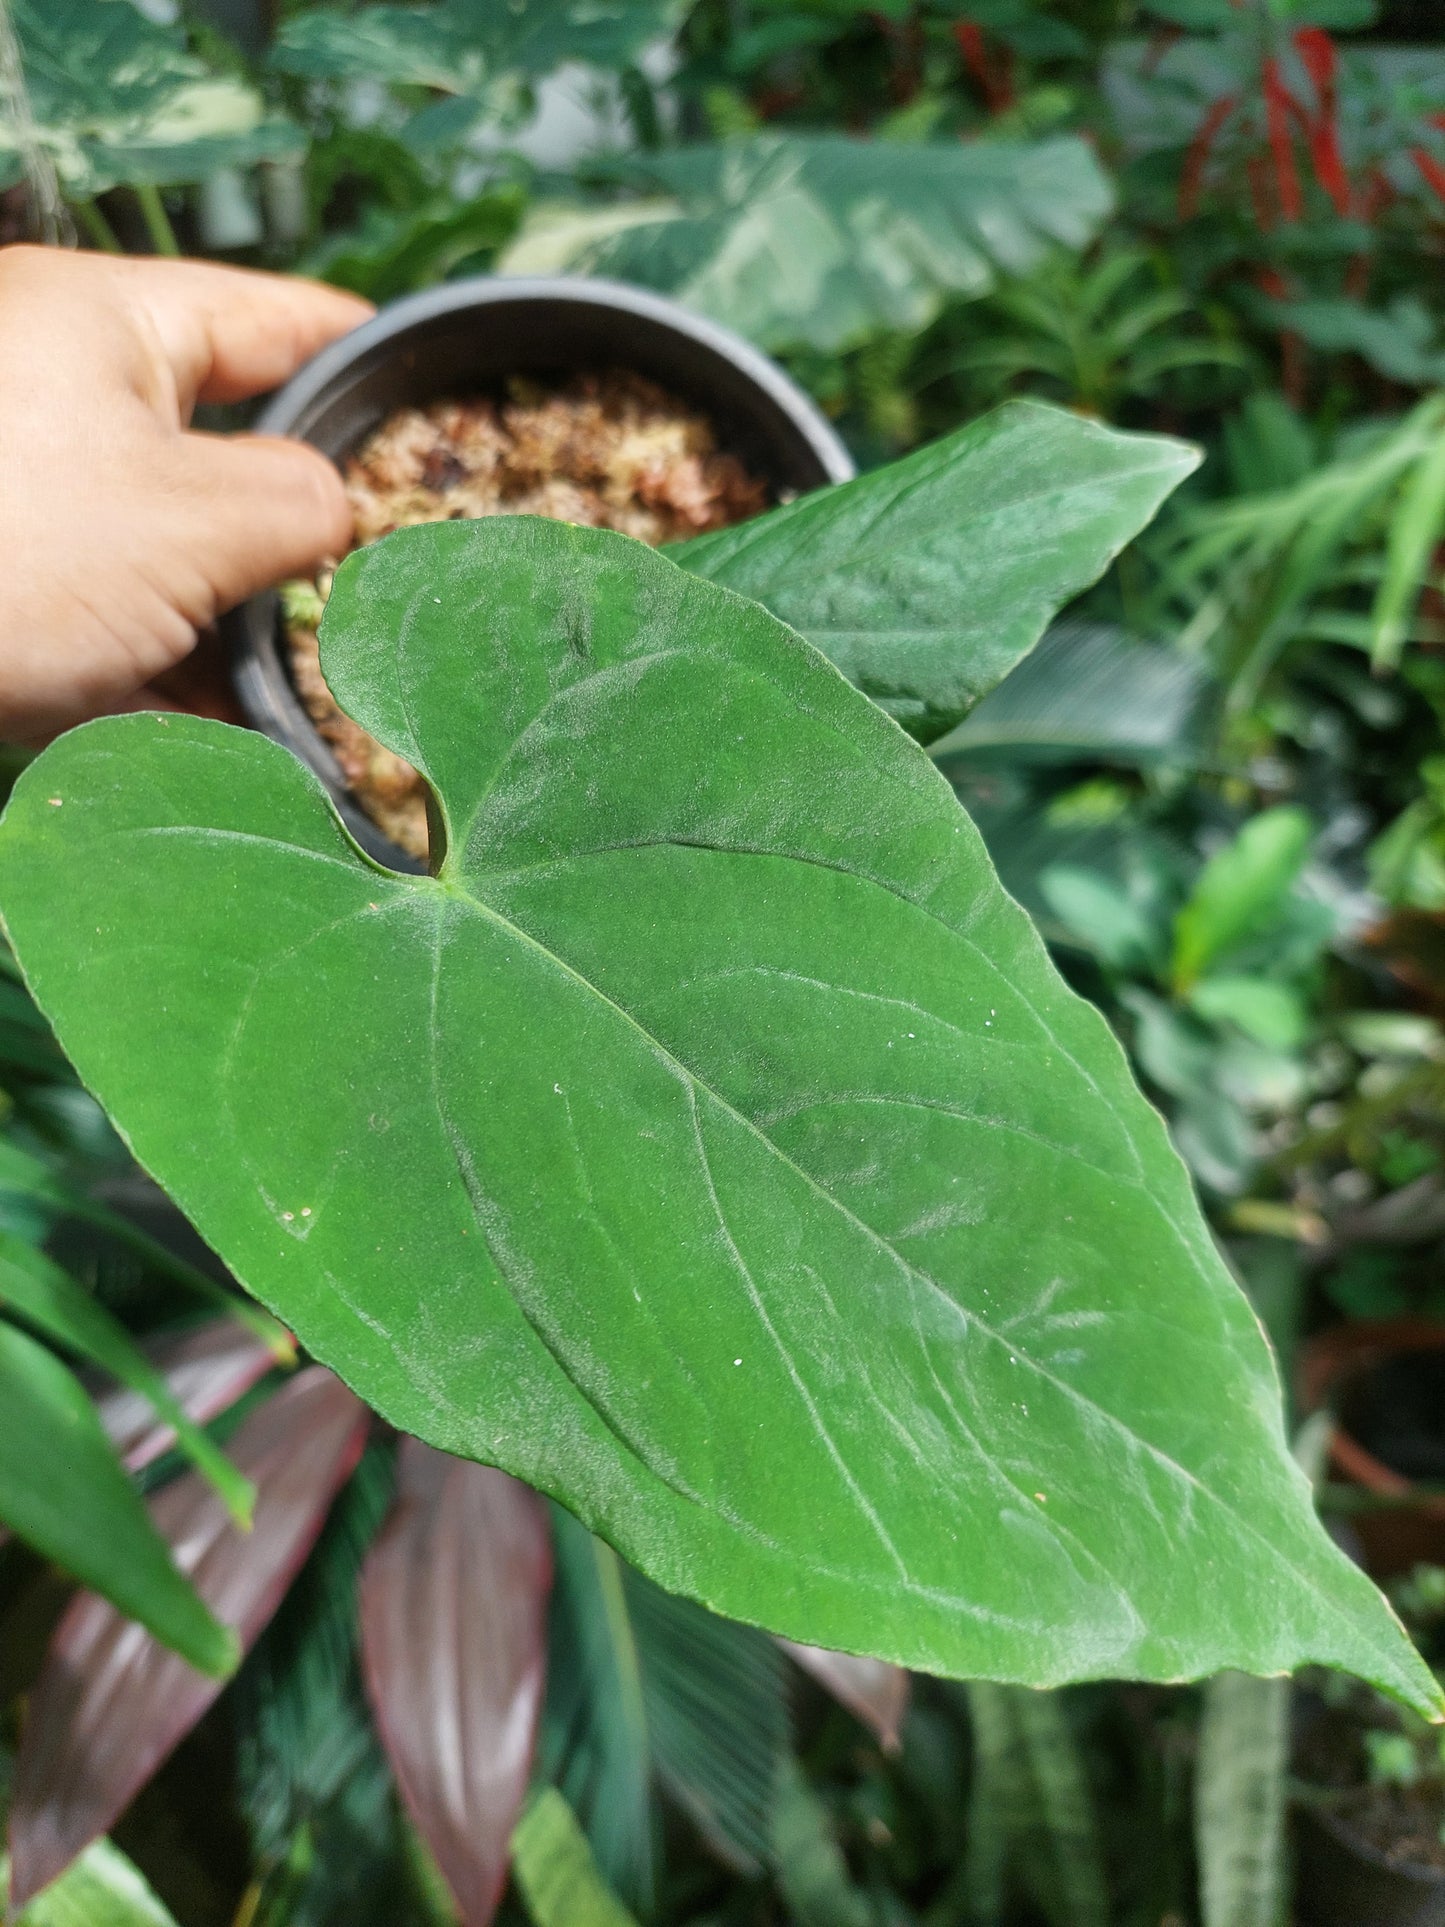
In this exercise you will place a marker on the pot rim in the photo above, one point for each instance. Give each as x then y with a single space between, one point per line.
259 673
288 406
1341 1352
1349 1837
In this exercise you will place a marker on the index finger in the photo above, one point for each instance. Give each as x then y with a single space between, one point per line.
229 333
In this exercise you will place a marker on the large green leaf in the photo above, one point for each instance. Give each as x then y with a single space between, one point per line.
926 581
118 97
710 1142
482 54
823 240
63 1490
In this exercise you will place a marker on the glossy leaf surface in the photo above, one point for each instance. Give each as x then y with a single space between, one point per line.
824 240
926 581
710 1143
453 1631
65 1493
110 1703
48 1298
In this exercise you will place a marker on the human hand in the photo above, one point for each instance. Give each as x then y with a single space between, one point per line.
123 531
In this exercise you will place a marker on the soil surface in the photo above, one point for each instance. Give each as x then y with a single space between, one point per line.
609 451
1401 1823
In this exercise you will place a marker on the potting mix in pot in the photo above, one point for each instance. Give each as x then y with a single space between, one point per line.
609 451
1369 1777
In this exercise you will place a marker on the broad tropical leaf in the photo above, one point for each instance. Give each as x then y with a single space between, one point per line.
926 581
101 1889
110 1703
49 1299
118 97
63 1491
709 1142
207 1370
824 240
555 1871
453 1625
871 1689
462 46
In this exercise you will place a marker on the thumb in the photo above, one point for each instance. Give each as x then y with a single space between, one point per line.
261 508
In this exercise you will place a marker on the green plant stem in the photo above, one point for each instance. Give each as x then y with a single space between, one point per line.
158 222
97 228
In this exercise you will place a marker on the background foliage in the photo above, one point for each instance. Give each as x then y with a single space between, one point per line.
1218 785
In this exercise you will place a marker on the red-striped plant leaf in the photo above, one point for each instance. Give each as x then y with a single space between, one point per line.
453 1637
208 1369
110 1702
873 1690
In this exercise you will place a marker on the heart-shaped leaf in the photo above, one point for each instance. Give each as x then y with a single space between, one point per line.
709 1142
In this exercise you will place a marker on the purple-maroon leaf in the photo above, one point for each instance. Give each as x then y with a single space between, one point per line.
207 1369
453 1638
873 1690
111 1702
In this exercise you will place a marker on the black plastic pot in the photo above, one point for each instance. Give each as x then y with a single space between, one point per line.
1343 1881
468 337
